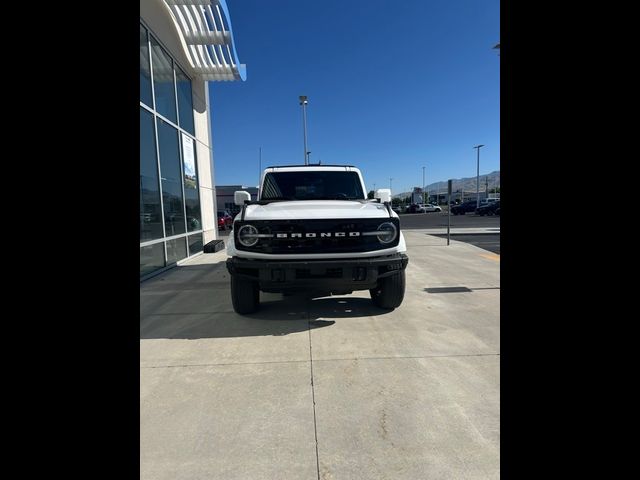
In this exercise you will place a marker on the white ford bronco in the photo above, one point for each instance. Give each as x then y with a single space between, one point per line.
312 229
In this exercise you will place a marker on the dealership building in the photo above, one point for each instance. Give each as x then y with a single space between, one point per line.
184 44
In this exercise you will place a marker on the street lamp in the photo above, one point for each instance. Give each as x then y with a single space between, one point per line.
304 102
390 180
478 177
423 199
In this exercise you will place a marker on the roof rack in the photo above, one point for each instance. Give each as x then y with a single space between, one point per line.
314 165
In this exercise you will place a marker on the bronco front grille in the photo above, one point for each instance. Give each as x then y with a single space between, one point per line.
317 236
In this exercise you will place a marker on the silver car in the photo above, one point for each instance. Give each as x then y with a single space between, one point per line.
427 207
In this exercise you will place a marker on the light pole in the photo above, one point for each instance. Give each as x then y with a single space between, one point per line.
304 102
423 199
390 180
478 177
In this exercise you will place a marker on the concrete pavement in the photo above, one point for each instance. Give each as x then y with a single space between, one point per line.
458 230
329 388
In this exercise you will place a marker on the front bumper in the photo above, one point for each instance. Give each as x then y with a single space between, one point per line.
331 275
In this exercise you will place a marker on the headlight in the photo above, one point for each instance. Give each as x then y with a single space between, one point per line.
248 235
388 232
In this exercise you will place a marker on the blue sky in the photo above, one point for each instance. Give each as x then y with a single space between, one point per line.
393 86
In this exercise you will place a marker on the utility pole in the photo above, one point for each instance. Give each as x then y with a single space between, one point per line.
304 102
423 199
477 147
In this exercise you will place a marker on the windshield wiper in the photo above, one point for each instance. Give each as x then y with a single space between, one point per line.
264 201
336 197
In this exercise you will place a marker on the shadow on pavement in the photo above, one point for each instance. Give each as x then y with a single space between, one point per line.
275 318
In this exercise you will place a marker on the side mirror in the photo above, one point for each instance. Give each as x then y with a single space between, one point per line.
384 194
240 196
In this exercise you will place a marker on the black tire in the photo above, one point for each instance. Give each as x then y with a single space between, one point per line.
245 295
390 291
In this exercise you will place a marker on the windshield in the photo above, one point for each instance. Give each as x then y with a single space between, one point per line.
312 185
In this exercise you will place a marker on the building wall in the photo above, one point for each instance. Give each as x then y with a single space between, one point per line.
156 17
225 197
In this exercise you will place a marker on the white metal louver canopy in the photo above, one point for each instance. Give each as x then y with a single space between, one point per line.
206 29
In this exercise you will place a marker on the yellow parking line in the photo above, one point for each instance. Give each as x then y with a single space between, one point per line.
491 256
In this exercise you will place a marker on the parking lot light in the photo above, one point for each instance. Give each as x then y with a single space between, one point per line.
478 177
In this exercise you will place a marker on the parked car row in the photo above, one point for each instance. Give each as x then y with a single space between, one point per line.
225 220
464 207
418 208
491 208
487 207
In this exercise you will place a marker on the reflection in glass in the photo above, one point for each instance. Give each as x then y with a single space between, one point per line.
192 197
150 210
151 258
170 173
145 73
195 243
176 250
163 81
185 101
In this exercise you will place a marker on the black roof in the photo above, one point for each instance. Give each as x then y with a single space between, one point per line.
314 165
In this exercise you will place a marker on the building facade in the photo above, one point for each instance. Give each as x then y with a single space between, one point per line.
225 197
184 44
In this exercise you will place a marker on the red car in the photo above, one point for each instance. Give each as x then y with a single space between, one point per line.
225 220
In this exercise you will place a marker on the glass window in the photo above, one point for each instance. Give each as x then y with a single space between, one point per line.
170 174
191 194
145 73
185 101
150 209
176 250
312 185
151 258
163 81
195 243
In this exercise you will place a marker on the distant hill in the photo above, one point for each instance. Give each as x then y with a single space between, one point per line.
469 184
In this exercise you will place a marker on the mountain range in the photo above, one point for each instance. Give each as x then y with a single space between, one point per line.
469 184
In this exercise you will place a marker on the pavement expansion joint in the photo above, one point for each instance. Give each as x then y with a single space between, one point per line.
225 364
313 398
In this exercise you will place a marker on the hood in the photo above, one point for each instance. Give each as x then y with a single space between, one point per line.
316 209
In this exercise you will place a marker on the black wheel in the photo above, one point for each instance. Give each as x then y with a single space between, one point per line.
245 295
390 291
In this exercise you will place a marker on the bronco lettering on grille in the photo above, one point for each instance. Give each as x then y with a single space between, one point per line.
314 235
